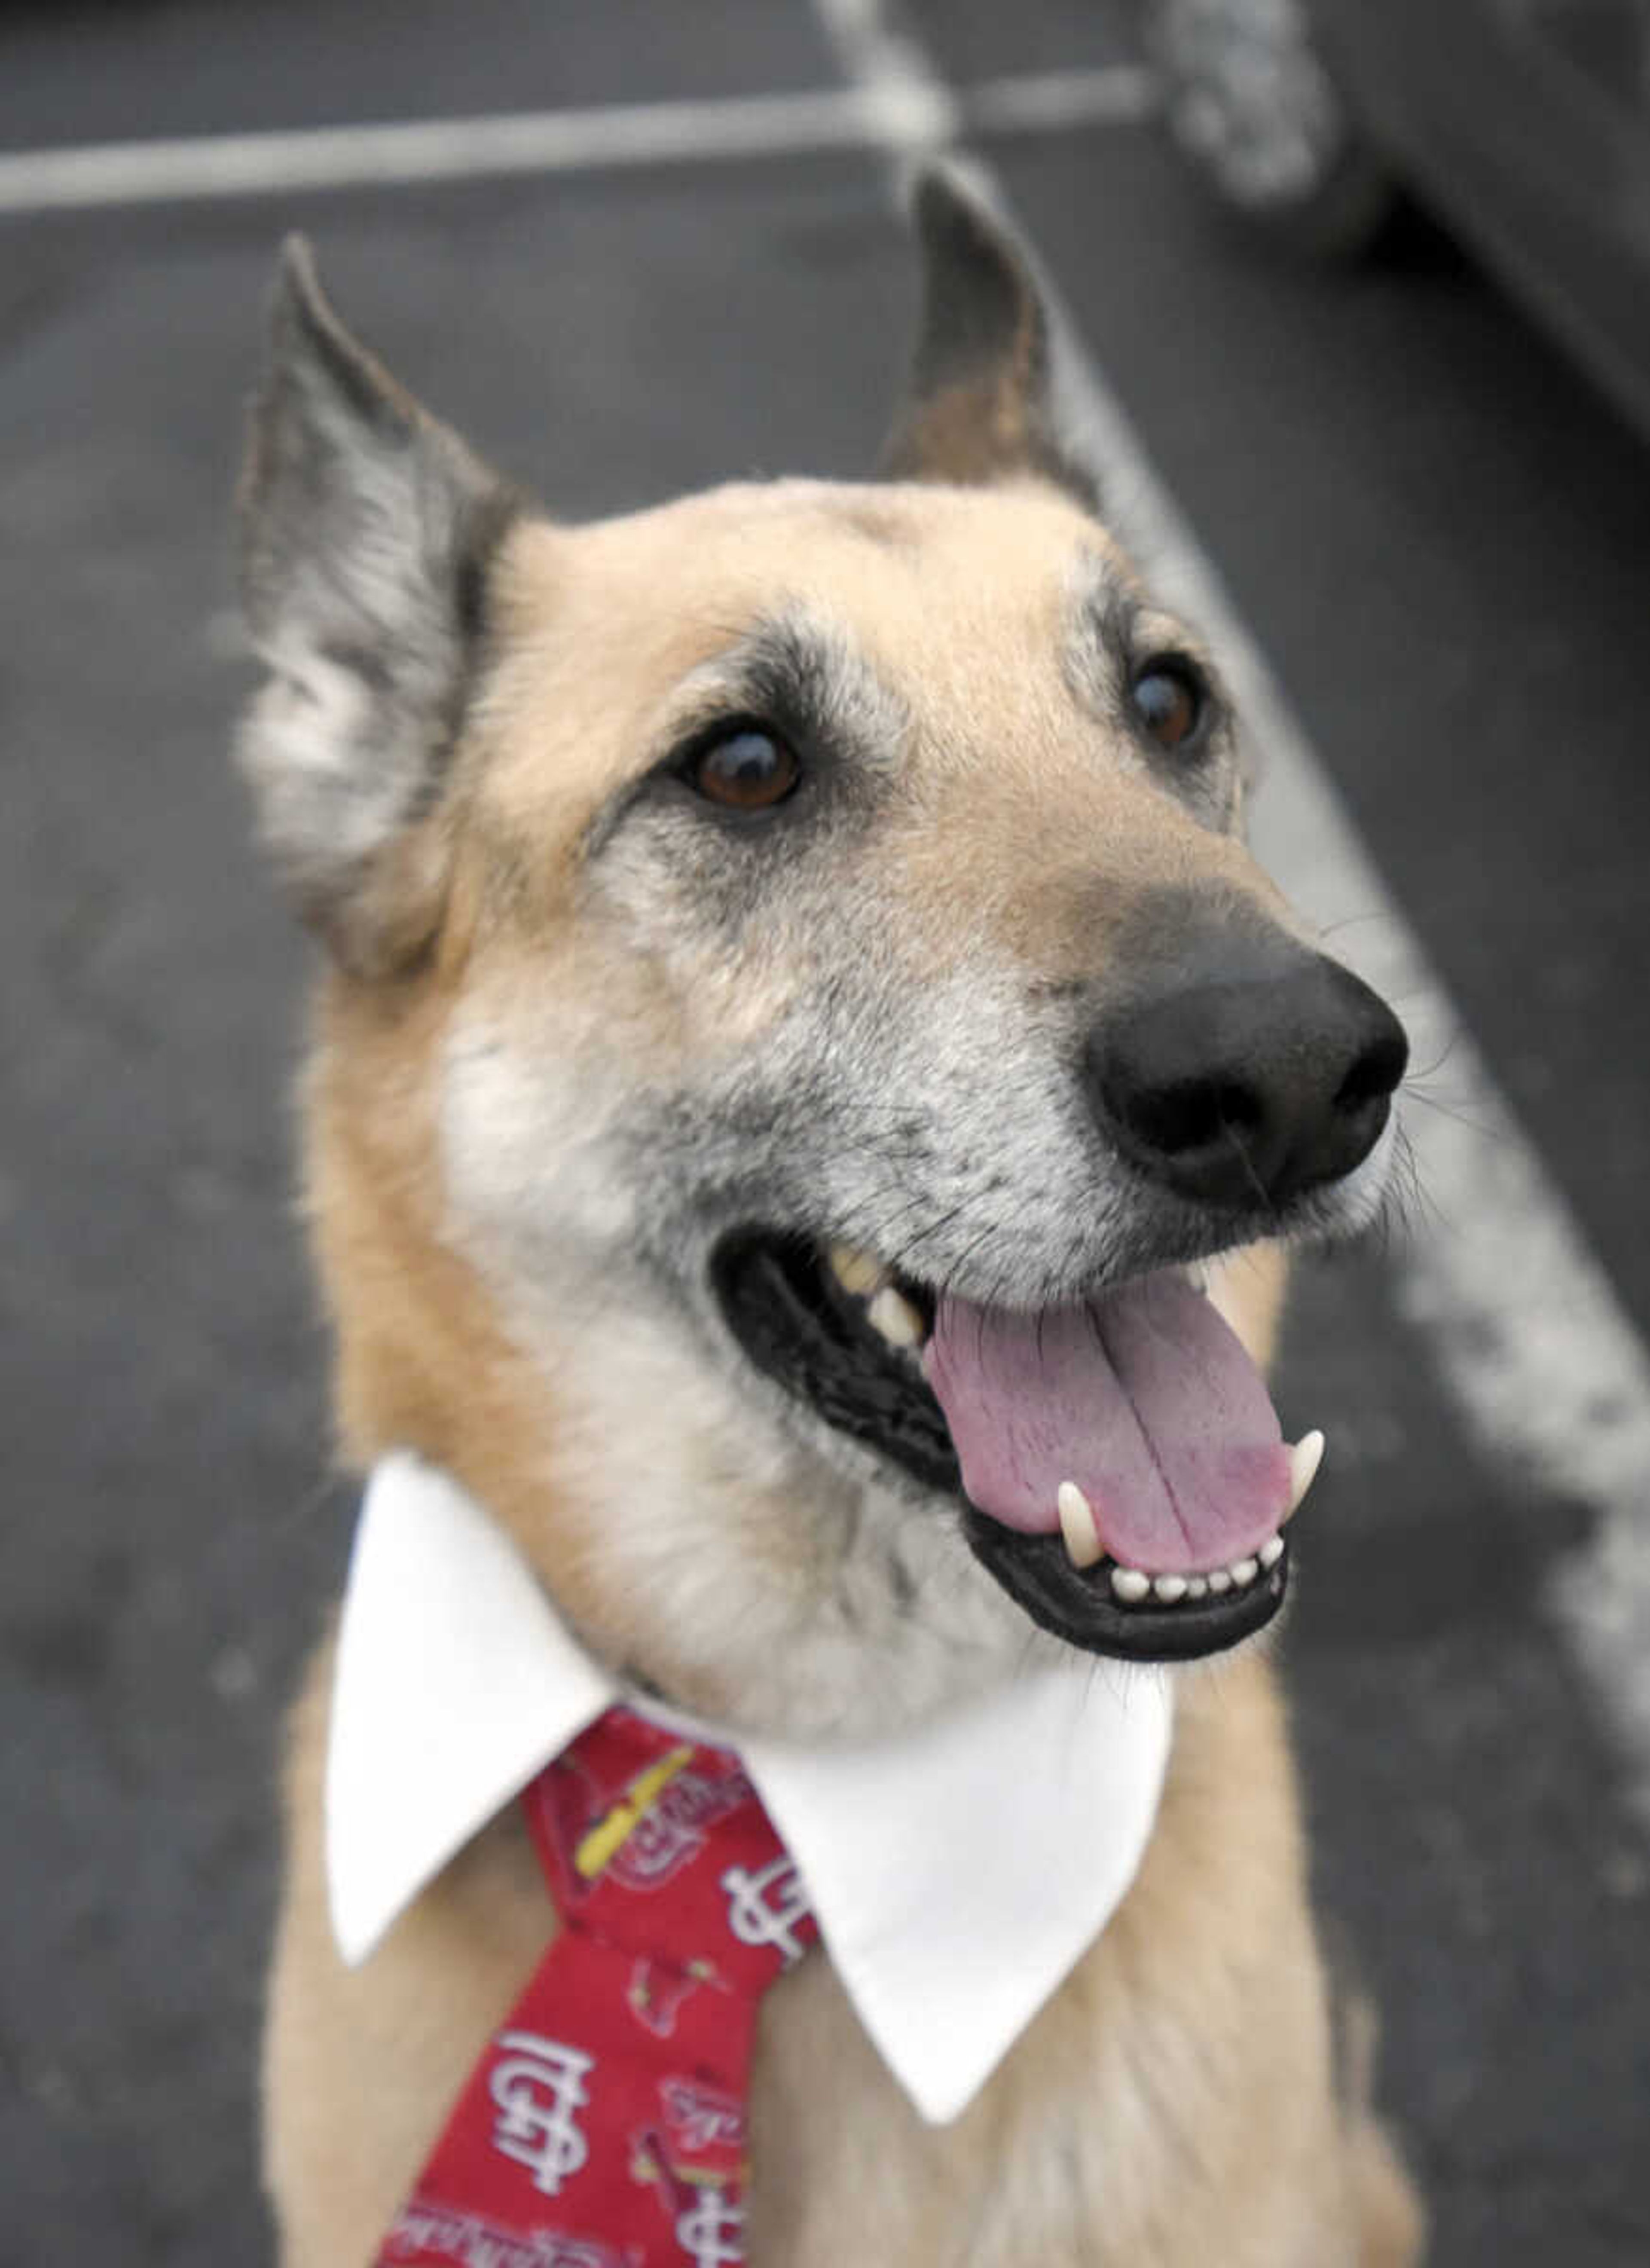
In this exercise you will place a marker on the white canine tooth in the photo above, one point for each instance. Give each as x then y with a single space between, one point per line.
1196 1272
1243 1571
1304 1460
1170 1589
1197 1585
1130 1584
1220 1580
856 1271
1076 1525
1272 1551
892 1313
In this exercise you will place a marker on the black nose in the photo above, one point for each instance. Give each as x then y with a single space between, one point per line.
1262 1071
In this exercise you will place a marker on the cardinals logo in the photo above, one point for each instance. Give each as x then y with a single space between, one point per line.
768 1906
694 2161
639 1830
437 2233
657 1992
540 2087
704 2123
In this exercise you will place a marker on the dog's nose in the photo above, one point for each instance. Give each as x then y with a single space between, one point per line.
1265 1071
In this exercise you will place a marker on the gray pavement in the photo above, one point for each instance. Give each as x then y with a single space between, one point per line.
1438 534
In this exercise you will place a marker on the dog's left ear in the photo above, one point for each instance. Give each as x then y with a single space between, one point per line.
366 533
982 404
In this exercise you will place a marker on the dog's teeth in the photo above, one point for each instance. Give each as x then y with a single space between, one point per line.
1133 1583
1304 1460
857 1271
1197 1274
1076 1525
892 1313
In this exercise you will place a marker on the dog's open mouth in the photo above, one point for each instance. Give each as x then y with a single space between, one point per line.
1123 1471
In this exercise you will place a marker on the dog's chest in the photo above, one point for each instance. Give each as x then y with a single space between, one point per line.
1075 2154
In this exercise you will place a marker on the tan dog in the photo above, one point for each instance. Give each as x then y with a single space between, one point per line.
786 951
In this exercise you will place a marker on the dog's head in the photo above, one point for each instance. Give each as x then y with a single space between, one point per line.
800 1012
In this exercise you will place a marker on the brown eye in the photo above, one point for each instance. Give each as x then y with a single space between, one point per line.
748 770
1169 700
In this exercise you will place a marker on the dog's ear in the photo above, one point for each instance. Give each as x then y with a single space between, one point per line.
367 531
982 403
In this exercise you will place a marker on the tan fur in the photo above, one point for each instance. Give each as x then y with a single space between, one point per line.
1174 2106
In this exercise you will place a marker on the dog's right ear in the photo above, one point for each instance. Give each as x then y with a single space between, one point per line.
982 404
366 535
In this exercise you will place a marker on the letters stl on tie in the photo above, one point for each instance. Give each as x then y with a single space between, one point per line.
604 2126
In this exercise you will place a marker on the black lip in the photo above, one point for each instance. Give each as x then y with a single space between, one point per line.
798 1328
1037 1574
801 1330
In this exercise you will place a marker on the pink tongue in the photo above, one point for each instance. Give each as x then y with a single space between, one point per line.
1144 1399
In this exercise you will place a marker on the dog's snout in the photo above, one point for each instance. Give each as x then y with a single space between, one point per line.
1249 1080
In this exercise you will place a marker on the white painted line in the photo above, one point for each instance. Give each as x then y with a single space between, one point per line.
1057 102
889 114
871 53
1531 1341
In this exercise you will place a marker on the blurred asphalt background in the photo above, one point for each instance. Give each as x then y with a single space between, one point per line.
1439 538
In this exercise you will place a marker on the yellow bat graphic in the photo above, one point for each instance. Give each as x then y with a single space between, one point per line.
604 1840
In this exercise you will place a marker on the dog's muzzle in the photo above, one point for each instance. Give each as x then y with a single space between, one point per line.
1115 1460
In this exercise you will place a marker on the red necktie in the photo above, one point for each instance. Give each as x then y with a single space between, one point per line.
604 2126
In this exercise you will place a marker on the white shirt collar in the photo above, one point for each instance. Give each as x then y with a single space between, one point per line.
957 1872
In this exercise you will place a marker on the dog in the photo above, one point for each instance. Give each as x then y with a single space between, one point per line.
803 1060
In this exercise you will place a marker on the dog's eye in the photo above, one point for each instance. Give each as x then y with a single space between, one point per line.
1169 700
746 769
